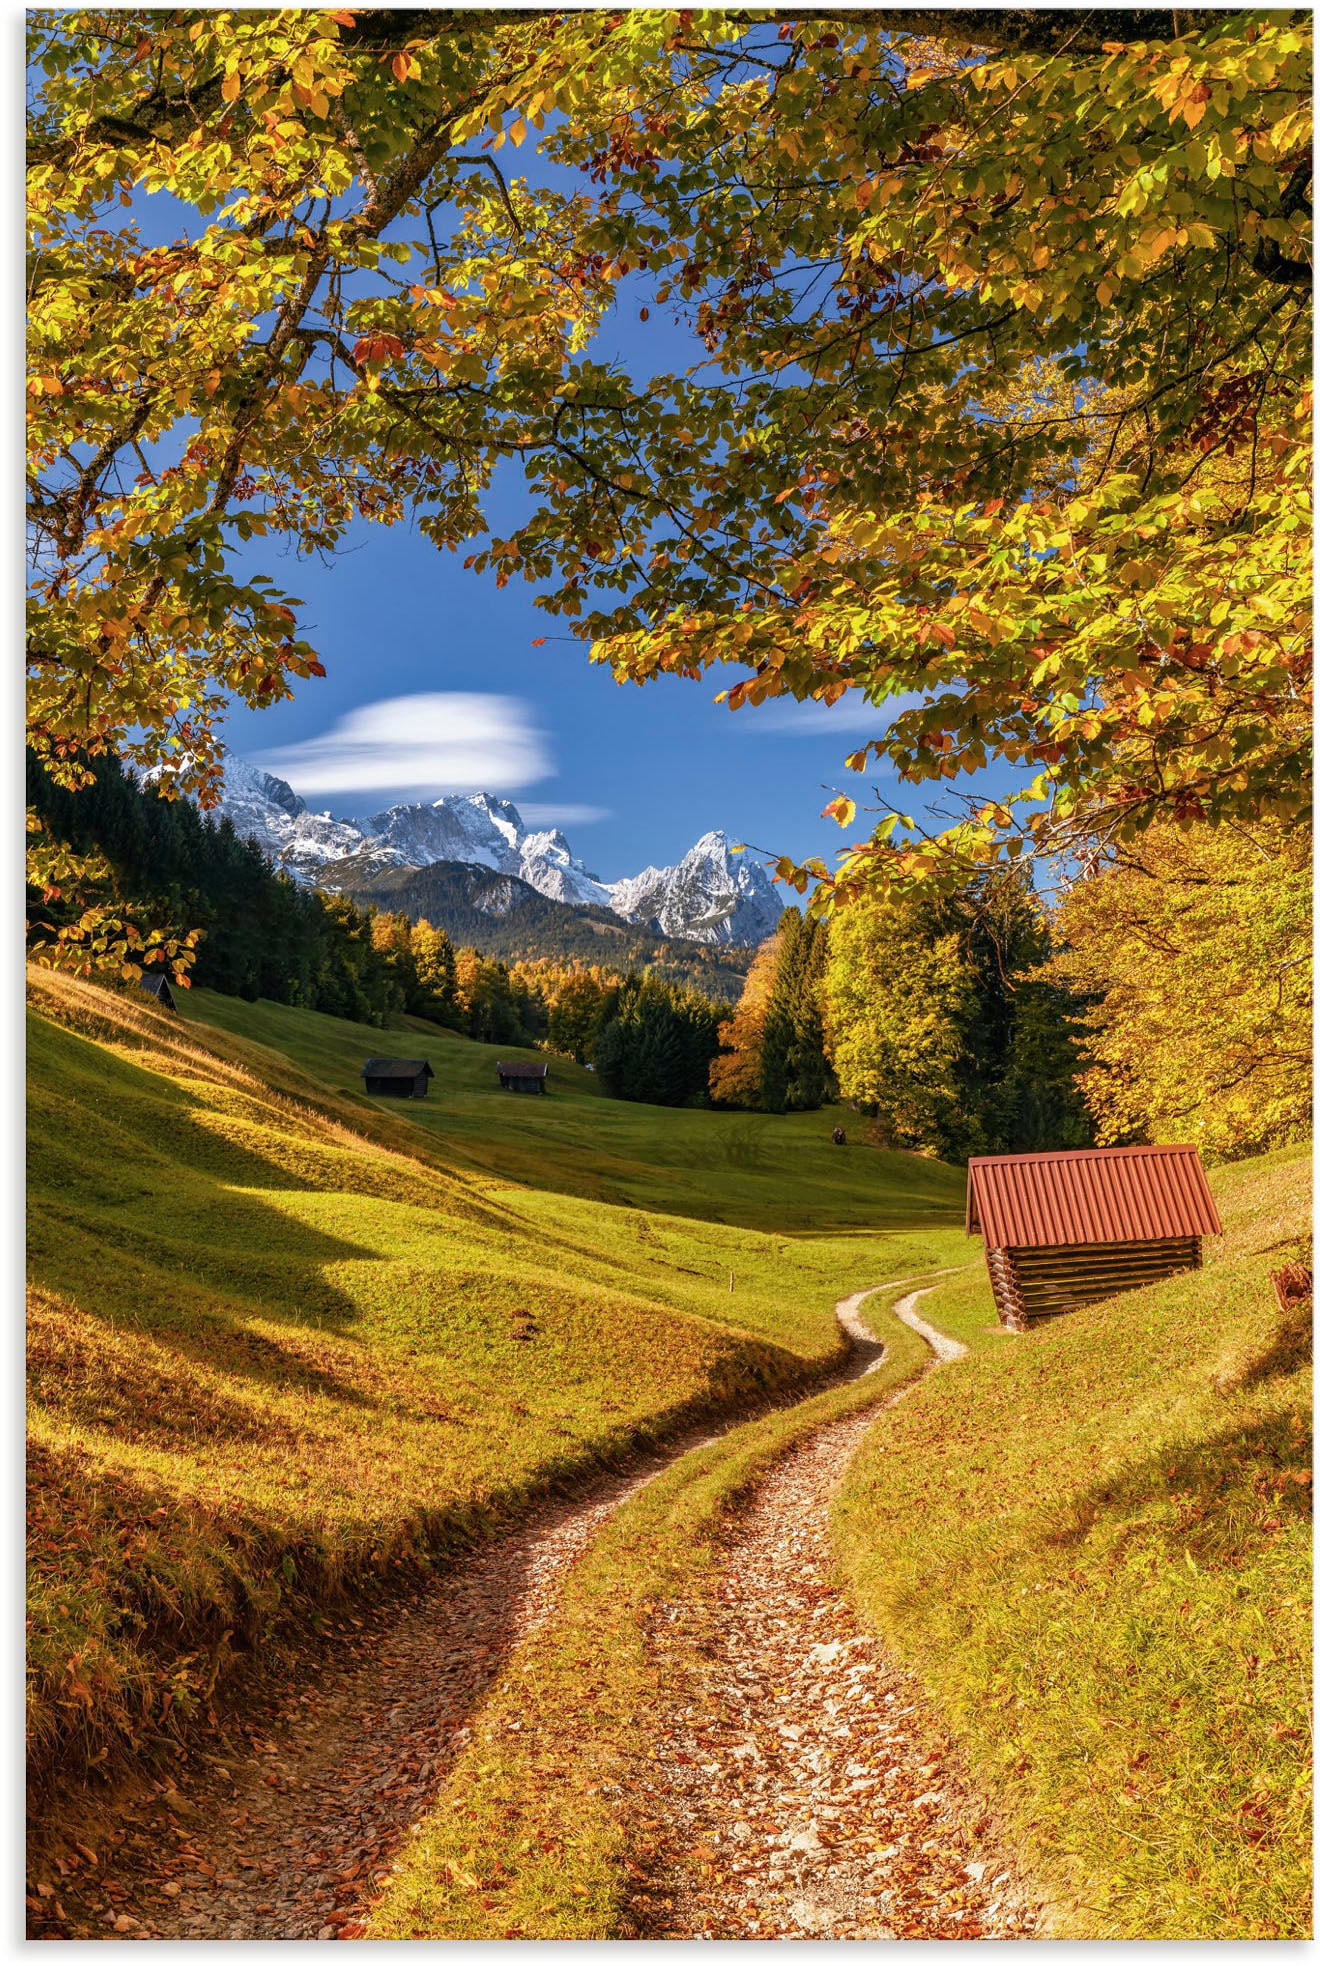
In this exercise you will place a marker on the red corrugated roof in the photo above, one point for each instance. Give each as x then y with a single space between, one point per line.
1101 1194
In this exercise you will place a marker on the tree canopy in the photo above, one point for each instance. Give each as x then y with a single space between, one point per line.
1000 415
357 317
1196 957
940 1025
1005 414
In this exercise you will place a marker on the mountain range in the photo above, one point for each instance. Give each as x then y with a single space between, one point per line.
711 896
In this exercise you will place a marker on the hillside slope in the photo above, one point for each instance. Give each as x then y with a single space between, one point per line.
777 1172
1093 1543
284 1344
1090 1544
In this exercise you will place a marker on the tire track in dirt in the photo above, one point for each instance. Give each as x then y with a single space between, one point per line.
802 1791
289 1831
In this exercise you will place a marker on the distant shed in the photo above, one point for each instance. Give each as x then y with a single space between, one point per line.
1063 1230
522 1078
158 986
397 1078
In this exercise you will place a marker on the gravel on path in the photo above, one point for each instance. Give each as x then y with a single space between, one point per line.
288 1829
802 1791
289 1833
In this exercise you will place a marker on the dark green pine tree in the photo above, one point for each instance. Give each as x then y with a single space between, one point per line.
777 1042
1017 1079
810 1081
1038 1105
655 1042
795 1074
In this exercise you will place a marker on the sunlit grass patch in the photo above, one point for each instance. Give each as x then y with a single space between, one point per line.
1093 1543
777 1172
281 1349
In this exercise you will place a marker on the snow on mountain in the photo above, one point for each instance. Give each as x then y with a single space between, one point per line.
711 895
482 831
546 863
266 809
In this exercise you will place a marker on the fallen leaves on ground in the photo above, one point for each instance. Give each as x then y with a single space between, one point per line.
288 1829
801 1791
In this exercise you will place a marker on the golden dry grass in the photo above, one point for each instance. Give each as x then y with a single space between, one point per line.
280 1350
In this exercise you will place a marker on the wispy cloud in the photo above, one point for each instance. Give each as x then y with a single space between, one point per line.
539 815
851 716
451 741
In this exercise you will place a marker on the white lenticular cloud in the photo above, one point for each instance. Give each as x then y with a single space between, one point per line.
444 741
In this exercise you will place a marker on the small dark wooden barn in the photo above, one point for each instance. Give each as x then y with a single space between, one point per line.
158 986
1064 1230
397 1078
522 1078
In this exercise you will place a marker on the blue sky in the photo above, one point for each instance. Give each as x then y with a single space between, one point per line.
433 686
632 775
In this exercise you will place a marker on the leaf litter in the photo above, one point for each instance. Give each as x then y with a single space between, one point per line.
801 1790
799 1793
288 1829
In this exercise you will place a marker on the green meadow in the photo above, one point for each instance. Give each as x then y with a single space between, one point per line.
1095 1546
287 1342
776 1172
1091 1543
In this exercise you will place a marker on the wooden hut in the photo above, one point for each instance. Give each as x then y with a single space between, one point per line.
397 1078
1063 1230
158 986
522 1078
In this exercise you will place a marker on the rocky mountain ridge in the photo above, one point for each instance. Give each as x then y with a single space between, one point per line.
711 896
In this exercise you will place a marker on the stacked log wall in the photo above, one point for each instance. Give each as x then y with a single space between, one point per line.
1033 1284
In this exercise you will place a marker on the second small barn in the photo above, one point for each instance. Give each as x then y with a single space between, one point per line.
158 986
1063 1230
522 1077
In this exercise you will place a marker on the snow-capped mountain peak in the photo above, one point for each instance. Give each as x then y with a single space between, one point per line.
479 830
717 895
711 895
548 864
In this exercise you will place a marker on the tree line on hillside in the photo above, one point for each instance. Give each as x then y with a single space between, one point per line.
472 905
1166 995
246 930
925 1014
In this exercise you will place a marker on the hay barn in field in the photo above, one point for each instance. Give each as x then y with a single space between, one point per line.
397 1078
522 1078
158 987
1064 1230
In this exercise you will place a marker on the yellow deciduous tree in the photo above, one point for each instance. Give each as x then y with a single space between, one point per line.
735 1076
1197 949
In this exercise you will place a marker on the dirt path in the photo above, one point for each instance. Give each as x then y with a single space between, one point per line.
288 1832
802 1792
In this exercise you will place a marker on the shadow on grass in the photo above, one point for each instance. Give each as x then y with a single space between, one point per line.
1216 1499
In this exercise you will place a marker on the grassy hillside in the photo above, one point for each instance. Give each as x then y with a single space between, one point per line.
753 1170
283 1342
1093 1542
1089 1541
